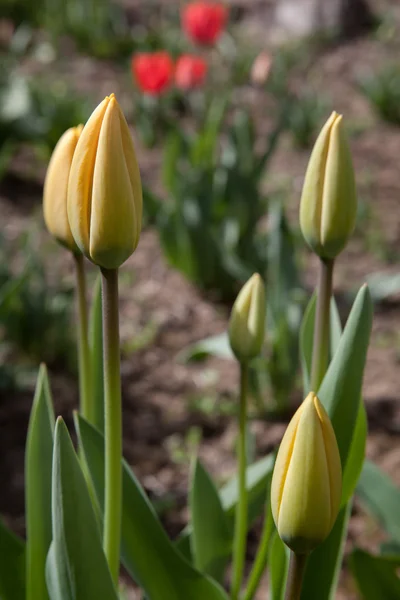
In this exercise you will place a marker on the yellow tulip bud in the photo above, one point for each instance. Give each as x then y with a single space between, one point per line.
307 479
329 203
56 188
247 322
104 189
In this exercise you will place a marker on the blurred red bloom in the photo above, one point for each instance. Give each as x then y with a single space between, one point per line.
190 71
153 71
203 22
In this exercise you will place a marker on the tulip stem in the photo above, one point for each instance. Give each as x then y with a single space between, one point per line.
297 568
239 544
260 562
84 359
320 355
113 421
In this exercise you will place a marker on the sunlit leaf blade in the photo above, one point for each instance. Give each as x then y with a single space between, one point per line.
381 498
278 563
147 553
12 569
76 566
38 468
211 537
340 393
375 576
356 455
96 353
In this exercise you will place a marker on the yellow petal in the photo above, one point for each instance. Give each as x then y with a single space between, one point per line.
113 223
133 171
56 188
339 205
81 178
333 460
282 463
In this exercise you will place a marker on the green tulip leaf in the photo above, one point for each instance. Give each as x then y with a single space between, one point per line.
147 553
257 479
357 448
356 455
278 562
12 570
212 534
340 392
76 565
96 353
375 576
38 469
381 498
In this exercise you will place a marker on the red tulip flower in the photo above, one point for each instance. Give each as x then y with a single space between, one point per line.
203 22
190 72
153 71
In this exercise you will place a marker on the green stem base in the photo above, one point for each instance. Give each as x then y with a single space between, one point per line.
320 357
239 544
294 584
113 421
85 381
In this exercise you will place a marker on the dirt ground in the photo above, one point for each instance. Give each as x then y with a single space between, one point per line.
160 393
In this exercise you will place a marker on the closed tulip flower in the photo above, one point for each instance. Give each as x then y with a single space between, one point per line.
329 203
56 188
153 72
190 72
247 322
104 189
204 22
307 479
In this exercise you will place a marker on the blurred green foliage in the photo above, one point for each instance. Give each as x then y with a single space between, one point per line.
382 89
98 27
35 113
209 223
273 375
306 114
35 315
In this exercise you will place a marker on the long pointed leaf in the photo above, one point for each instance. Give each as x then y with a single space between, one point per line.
278 562
340 393
38 468
146 549
376 576
212 536
381 498
257 477
76 566
12 569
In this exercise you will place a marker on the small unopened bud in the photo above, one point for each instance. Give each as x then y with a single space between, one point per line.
307 479
247 322
329 203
